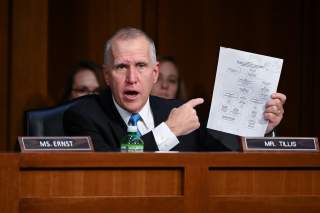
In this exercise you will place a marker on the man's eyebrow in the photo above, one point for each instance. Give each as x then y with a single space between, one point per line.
117 63
120 64
141 62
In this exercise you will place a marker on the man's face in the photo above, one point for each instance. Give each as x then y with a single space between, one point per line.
131 74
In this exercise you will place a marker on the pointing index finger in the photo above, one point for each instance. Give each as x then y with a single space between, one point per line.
195 102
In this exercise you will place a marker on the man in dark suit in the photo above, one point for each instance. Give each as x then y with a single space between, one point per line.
130 69
98 117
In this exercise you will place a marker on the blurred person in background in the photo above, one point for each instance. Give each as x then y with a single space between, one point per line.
84 79
169 84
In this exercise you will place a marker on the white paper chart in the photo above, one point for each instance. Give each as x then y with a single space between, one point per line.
244 83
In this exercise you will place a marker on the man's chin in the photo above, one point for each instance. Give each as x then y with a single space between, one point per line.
133 106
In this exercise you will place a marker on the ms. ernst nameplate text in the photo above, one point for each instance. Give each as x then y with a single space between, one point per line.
288 144
56 144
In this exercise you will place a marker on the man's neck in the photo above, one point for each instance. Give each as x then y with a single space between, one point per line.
145 113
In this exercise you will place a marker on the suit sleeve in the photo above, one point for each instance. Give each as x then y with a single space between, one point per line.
150 144
220 141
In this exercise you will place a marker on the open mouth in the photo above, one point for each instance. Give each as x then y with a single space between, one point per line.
131 94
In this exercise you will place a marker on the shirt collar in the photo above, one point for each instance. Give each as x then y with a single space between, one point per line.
145 114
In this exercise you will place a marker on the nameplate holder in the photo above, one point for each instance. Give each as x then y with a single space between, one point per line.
55 144
279 144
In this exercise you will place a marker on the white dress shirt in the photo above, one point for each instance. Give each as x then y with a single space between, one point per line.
163 136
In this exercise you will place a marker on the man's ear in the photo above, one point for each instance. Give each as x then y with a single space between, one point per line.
156 72
105 72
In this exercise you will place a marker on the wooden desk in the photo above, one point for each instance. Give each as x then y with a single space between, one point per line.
159 182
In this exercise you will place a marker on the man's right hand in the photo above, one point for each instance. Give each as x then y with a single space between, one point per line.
184 119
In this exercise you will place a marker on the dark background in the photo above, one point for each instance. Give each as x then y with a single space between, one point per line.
41 39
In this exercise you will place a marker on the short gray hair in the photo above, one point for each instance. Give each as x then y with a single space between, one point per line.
126 34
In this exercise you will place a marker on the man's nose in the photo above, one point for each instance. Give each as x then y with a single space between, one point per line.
132 74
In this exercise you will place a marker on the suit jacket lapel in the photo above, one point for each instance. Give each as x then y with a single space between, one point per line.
118 126
159 115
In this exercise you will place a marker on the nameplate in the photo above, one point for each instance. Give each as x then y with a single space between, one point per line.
56 144
288 144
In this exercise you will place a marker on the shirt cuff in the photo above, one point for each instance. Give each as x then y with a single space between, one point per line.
164 137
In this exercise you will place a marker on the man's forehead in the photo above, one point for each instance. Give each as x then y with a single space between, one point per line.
130 59
131 50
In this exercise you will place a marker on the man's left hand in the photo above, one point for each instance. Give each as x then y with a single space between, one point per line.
274 110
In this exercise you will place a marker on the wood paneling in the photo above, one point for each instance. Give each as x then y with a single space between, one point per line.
260 182
195 35
28 78
4 32
79 29
103 204
150 20
292 204
104 182
157 182
9 183
310 76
